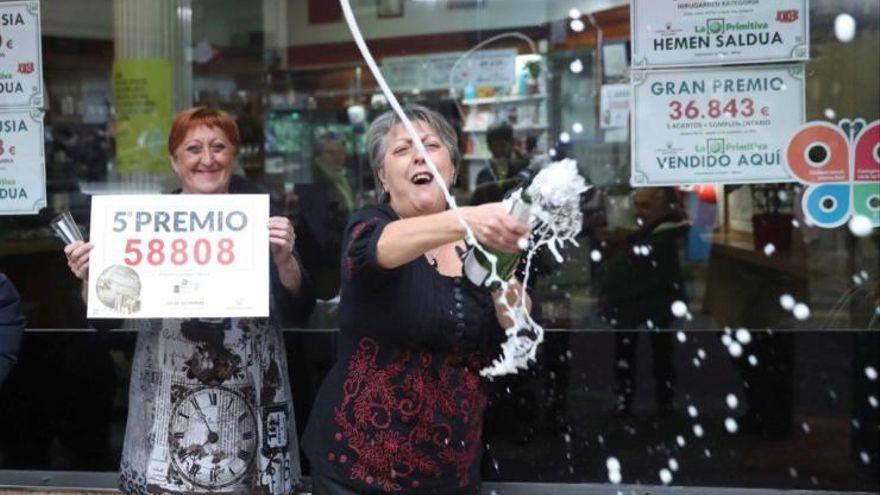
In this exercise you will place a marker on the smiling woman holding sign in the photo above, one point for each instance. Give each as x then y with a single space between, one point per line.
211 405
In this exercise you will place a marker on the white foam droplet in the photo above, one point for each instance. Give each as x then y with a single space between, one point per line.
698 430
574 13
743 336
769 249
673 464
732 401
792 472
860 225
596 255
787 302
731 425
726 340
696 362
679 309
753 360
845 27
577 127
564 137
522 243
865 457
680 441
692 411
612 464
873 401
830 114
707 453
681 336
701 353
576 66
805 426
735 349
615 477
871 373
665 476
801 311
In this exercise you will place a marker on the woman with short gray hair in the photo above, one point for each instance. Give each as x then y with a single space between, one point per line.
401 411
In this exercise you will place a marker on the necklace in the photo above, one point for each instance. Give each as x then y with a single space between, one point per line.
432 257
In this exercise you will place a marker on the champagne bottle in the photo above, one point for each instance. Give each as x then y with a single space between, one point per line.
478 268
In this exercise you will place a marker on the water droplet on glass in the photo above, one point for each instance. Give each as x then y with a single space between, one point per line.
726 340
681 336
845 28
707 453
801 311
574 13
735 349
769 249
701 353
696 362
865 457
679 309
830 114
577 127
795 223
680 441
692 411
873 401
576 66
732 401
743 336
753 360
787 302
871 373
564 137
665 476
698 430
673 464
860 225
805 426
730 425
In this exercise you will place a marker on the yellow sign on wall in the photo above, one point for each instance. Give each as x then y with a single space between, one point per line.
144 109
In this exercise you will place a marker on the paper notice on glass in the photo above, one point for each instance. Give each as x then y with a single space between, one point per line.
21 62
725 125
179 256
22 163
672 33
614 103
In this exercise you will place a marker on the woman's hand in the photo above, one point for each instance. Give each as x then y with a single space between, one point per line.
494 228
281 241
77 254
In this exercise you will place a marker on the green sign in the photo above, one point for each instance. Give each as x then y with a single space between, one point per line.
144 109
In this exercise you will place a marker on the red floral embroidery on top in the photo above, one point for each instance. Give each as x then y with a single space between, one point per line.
356 232
401 419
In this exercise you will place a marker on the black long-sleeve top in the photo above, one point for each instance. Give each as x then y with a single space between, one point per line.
401 410
11 326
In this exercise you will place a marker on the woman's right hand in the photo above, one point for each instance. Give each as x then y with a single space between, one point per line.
494 228
77 254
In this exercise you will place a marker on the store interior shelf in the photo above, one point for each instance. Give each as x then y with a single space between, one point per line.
522 128
503 99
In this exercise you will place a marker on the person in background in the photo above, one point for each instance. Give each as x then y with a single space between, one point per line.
504 170
323 207
402 409
641 281
12 324
210 406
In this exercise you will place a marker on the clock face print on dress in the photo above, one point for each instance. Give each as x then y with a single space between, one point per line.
212 435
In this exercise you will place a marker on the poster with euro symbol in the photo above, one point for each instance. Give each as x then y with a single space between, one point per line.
179 256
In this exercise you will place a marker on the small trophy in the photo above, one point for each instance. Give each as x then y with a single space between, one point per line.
65 228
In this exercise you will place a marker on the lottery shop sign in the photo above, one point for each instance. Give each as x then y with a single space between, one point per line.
21 65
722 125
170 256
673 33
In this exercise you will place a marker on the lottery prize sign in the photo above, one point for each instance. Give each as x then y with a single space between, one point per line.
674 33
21 62
722 125
179 256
